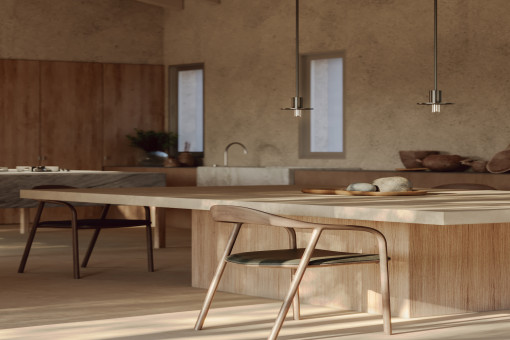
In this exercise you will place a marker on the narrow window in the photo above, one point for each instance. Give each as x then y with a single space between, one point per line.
321 131
186 107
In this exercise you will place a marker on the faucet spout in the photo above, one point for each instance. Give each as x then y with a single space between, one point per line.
225 153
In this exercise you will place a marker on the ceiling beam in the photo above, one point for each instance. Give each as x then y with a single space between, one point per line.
170 4
167 4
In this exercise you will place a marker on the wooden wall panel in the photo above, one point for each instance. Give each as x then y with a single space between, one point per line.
71 105
133 98
19 113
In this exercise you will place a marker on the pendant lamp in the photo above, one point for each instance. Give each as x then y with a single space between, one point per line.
435 94
297 101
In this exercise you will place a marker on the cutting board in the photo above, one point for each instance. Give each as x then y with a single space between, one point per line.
342 191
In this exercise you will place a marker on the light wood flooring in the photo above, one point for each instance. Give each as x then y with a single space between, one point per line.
118 299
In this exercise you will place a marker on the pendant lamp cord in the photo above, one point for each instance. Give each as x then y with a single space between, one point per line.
435 45
297 48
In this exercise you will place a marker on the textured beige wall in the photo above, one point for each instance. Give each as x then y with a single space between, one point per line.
248 51
120 31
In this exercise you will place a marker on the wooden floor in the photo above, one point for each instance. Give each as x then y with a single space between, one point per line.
118 299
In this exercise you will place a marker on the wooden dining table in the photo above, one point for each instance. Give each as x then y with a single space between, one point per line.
449 249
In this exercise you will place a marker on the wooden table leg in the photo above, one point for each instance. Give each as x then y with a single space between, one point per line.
158 222
24 220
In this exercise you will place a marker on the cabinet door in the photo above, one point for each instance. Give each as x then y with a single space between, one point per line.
71 124
133 98
19 113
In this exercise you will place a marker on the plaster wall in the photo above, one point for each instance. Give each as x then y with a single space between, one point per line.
248 51
117 31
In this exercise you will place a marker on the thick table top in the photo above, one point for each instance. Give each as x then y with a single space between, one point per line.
439 207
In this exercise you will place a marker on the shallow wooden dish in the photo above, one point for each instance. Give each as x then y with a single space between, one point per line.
411 169
342 191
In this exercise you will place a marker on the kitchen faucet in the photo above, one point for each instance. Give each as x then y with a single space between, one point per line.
225 153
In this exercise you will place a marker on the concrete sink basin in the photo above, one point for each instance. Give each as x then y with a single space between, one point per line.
232 175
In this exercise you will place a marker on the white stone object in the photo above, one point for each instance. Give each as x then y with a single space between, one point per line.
361 187
393 184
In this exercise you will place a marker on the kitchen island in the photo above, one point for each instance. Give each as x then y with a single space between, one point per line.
12 181
448 249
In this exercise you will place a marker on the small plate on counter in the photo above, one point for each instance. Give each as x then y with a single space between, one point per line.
342 191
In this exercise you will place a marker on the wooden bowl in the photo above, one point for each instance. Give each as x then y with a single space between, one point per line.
444 163
500 162
413 159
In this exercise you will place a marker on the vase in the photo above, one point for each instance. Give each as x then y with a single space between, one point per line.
153 158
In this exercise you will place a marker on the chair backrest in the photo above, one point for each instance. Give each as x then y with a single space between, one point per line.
236 214
53 186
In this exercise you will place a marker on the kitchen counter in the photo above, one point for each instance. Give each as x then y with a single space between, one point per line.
420 179
12 181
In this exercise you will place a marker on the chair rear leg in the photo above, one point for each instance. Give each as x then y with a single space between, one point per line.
92 244
150 253
30 238
150 246
385 281
385 296
296 314
216 279
296 306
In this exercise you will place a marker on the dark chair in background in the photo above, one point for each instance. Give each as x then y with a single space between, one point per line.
296 259
76 224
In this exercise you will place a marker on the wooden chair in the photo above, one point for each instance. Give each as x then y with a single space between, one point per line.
76 224
298 259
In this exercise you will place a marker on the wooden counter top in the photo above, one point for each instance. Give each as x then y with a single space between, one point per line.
438 207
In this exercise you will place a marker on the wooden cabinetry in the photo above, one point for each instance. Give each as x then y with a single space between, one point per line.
19 112
76 114
133 98
71 124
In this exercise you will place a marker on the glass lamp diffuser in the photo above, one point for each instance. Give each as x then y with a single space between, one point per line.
297 106
435 100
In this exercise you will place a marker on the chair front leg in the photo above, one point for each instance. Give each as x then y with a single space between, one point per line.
305 259
30 238
76 250
217 277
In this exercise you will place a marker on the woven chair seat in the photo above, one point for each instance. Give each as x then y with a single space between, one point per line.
291 257
93 223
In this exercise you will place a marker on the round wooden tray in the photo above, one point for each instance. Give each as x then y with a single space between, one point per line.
332 191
